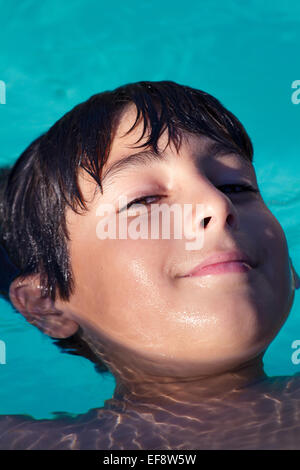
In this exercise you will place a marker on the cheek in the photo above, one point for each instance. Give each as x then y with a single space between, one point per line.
273 250
274 289
120 285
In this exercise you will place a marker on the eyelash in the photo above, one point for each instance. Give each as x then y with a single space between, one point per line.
246 187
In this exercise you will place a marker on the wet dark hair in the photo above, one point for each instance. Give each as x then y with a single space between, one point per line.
44 180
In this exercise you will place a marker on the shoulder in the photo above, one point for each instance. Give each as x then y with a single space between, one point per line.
85 431
285 388
20 432
12 429
292 386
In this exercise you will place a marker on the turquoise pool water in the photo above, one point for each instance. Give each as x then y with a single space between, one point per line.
54 55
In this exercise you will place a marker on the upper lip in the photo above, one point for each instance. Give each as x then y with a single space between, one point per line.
222 257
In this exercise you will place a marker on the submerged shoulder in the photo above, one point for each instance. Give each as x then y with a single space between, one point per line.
283 387
13 429
86 431
292 386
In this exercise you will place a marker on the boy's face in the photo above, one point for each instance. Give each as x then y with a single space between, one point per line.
132 293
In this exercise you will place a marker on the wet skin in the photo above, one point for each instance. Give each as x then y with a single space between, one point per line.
265 416
186 352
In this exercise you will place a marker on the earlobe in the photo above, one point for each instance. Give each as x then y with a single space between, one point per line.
26 295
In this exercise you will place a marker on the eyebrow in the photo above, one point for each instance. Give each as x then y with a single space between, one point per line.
147 157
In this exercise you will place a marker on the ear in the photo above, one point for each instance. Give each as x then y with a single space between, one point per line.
26 295
295 276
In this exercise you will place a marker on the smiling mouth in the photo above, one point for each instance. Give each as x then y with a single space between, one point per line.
222 262
222 268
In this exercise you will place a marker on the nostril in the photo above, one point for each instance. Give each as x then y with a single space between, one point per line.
205 221
230 219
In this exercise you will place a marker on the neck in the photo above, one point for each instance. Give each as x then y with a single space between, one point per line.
183 393
137 384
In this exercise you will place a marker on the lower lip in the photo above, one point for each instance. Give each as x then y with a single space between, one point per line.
221 268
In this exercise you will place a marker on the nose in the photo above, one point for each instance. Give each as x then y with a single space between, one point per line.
216 211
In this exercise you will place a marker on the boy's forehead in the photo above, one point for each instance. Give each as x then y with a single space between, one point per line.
123 145
124 152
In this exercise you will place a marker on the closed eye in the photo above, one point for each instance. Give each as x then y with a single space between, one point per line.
142 201
238 188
